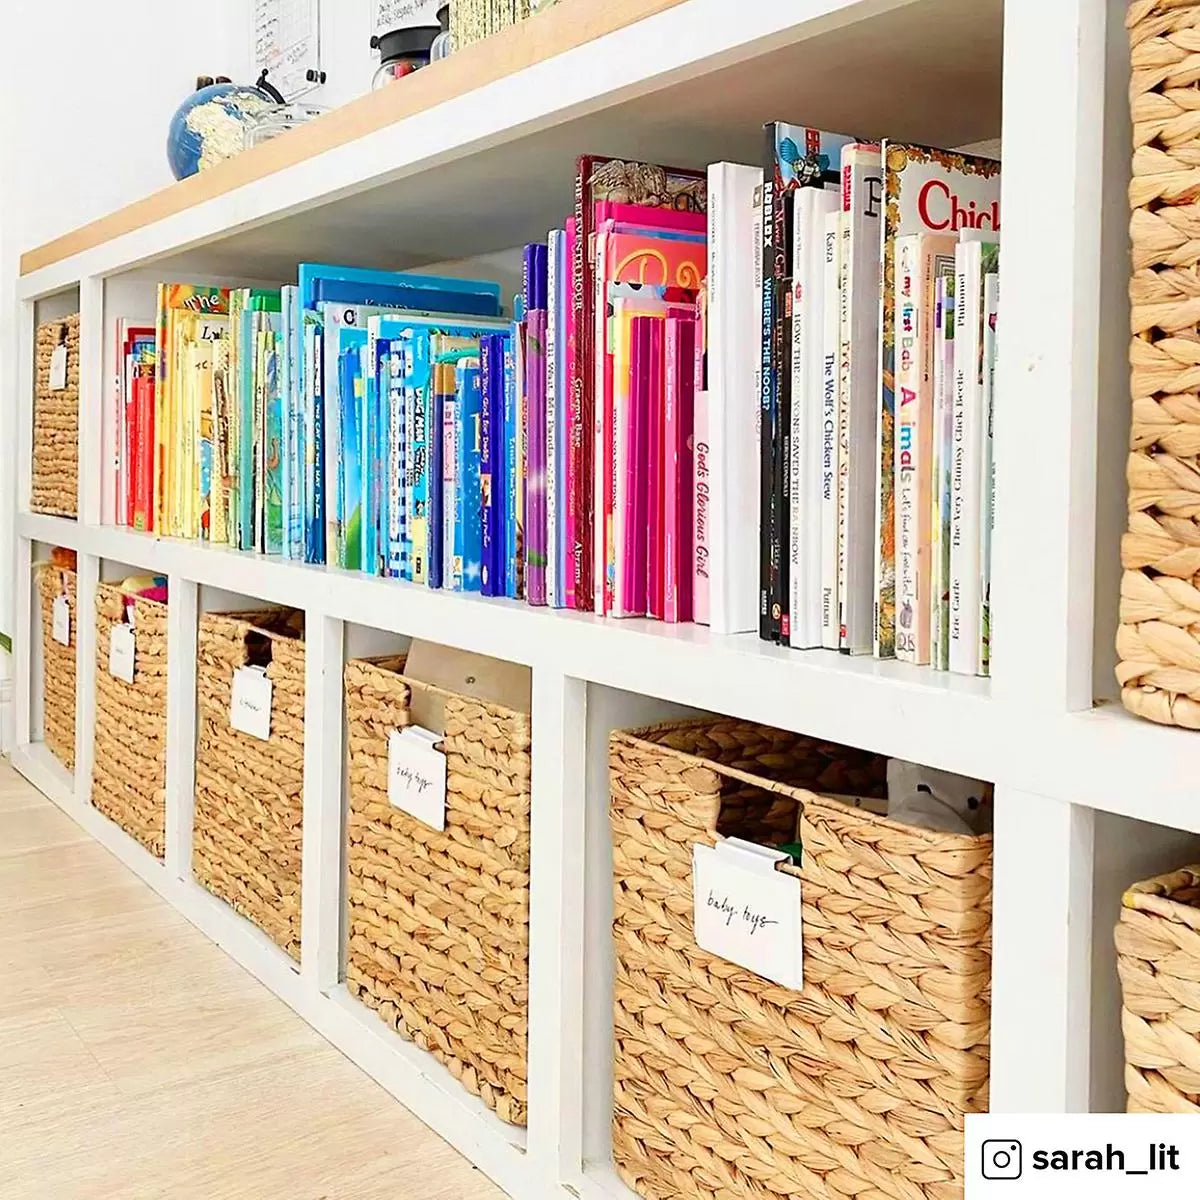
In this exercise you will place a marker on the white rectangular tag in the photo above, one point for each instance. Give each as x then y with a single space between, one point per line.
747 912
58 369
250 710
60 624
417 775
121 651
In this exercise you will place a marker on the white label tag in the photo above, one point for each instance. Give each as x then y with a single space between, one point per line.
60 625
122 647
417 775
58 369
250 710
747 912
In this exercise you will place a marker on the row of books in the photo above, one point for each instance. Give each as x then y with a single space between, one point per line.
688 413
875 272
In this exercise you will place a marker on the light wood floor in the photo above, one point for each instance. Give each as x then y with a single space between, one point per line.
138 1062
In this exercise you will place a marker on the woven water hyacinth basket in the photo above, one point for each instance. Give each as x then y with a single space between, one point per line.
249 792
58 666
1158 641
728 1085
129 776
56 423
1158 958
439 922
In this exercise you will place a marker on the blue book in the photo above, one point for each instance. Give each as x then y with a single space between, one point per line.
468 532
514 516
324 283
350 360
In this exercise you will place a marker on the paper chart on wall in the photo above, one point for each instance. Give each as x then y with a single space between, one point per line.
287 43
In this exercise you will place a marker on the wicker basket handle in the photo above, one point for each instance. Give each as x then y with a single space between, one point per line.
1174 897
258 647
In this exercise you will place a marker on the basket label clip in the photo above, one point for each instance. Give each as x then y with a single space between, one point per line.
250 708
747 912
121 651
60 624
417 775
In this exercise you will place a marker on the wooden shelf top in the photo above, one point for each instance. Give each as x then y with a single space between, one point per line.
570 24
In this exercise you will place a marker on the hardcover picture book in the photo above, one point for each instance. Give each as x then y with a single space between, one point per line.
926 190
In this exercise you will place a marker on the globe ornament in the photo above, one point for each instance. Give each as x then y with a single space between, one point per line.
211 126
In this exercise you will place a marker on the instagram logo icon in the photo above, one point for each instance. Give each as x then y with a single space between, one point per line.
1002 1159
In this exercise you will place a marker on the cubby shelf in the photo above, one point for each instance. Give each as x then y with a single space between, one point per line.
476 155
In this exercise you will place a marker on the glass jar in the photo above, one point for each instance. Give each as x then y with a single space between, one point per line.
402 52
442 44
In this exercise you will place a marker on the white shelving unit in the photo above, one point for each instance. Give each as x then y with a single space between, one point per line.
1079 784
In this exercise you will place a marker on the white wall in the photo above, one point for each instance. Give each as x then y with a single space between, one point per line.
106 77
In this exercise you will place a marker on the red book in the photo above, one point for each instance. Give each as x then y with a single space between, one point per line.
599 180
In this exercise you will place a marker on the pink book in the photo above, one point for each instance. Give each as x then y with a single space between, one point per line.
670 267
646 217
643 356
626 302
571 450
653 474
678 483
700 511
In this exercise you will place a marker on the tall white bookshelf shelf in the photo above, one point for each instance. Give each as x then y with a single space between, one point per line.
476 157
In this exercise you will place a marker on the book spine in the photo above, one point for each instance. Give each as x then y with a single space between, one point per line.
965 524
943 435
332 444
843 505
909 391
553 333
535 532
144 405
830 355
700 513
633 579
991 311
570 399
653 469
369 434
581 392
435 438
513 515
451 560
419 524
690 349
781 358
602 423
470 450
768 627
671 464
394 439
287 436
487 468
862 192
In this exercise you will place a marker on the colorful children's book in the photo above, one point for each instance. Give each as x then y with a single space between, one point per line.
514 475
491 382
925 191
600 180
796 156
468 523
536 509
321 283
678 419
942 467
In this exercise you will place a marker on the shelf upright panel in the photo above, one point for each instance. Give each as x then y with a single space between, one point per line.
182 618
559 953
323 873
25 628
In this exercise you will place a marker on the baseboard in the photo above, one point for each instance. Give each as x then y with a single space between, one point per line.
7 716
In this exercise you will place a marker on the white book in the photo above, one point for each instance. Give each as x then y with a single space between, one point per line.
830 353
733 350
862 190
966 461
991 309
920 260
553 333
812 205
943 443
